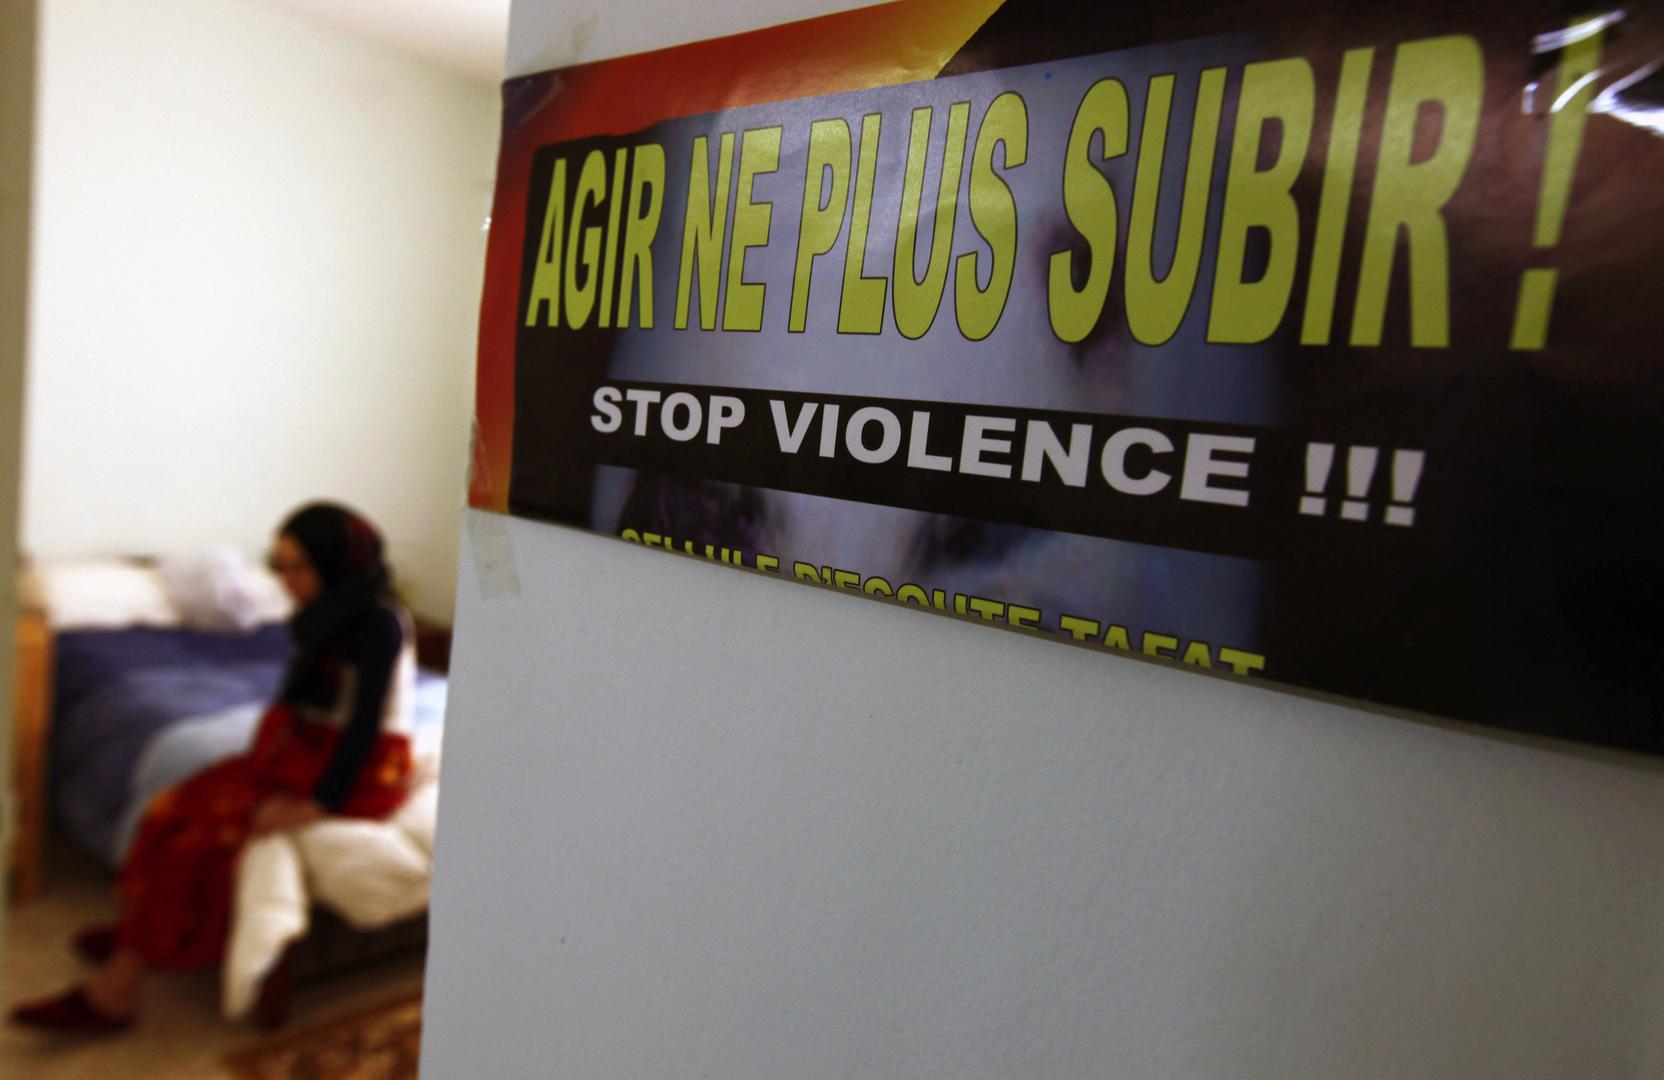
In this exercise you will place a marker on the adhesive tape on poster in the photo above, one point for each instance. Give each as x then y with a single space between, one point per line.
493 554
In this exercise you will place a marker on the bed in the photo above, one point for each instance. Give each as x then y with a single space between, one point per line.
138 684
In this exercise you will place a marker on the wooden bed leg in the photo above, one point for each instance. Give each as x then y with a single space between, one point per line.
275 990
31 737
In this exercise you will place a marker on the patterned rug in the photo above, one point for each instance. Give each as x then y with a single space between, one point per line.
378 1044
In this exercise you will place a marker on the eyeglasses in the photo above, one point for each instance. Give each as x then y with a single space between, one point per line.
280 566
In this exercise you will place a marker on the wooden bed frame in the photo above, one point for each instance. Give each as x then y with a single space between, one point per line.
31 732
331 946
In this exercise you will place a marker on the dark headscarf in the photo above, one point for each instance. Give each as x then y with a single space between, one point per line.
346 551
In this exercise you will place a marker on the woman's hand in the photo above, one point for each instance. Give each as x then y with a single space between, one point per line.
279 812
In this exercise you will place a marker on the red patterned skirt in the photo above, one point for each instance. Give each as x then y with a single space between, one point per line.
178 882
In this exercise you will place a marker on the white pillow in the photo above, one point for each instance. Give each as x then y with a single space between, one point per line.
219 591
418 815
370 873
271 603
102 594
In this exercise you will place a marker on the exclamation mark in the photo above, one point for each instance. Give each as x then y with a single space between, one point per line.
1579 46
1360 470
1406 476
1320 458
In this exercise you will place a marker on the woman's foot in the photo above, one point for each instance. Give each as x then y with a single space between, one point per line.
96 944
72 1012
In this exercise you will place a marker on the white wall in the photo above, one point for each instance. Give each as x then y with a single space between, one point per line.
701 823
258 256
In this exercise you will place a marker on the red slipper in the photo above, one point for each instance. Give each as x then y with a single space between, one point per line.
96 944
69 1013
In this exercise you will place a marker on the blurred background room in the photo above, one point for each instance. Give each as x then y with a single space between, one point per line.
253 276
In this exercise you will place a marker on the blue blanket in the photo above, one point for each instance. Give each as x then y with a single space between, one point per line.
140 710
181 750
117 690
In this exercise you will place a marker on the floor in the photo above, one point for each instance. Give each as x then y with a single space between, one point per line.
180 1033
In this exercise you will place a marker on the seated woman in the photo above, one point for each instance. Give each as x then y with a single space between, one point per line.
332 743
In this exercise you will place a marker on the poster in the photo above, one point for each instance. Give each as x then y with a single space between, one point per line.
1315 346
